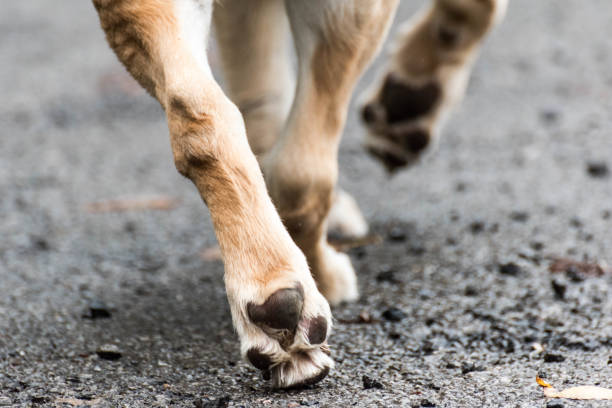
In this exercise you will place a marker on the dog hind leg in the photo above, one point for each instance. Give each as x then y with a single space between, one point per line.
427 75
334 42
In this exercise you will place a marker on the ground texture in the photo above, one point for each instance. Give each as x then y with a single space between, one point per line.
454 296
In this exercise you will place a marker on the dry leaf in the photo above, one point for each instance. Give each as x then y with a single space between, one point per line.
566 265
77 402
211 254
585 392
132 204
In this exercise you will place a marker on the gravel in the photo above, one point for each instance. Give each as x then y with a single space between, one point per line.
75 130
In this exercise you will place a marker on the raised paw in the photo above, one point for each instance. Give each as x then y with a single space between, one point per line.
401 120
285 335
427 76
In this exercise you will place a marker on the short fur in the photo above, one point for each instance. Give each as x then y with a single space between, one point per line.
287 168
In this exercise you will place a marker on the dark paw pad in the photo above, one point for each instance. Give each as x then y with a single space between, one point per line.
282 310
391 161
317 330
371 113
413 140
403 102
259 360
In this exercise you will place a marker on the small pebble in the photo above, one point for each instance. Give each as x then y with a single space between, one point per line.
108 352
369 383
559 289
386 274
519 216
576 222
428 404
553 358
39 399
477 227
395 336
598 169
549 116
129 227
417 250
97 310
5 401
149 263
393 314
574 274
470 291
397 234
510 269
222 402
40 243
554 404
467 367
451 365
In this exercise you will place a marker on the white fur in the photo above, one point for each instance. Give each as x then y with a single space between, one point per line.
345 218
194 21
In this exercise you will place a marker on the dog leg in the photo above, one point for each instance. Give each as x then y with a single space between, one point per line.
345 221
427 75
334 42
280 316
254 43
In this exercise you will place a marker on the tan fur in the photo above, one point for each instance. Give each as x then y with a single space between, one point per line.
294 131
438 46
301 169
210 148
254 45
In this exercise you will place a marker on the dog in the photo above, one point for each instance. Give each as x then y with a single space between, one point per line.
263 153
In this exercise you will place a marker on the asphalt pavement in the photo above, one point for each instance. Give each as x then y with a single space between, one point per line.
490 268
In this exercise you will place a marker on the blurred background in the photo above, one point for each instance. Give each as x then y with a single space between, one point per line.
464 300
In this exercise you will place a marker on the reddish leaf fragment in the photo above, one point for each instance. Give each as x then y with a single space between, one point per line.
132 204
570 266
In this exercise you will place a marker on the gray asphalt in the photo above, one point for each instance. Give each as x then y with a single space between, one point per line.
509 185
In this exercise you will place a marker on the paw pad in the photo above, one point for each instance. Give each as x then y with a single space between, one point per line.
281 311
403 102
317 330
259 360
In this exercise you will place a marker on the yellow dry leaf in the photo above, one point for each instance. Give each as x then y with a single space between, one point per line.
542 383
585 392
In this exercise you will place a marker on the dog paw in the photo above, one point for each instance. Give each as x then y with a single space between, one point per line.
427 75
335 275
345 221
283 328
401 120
